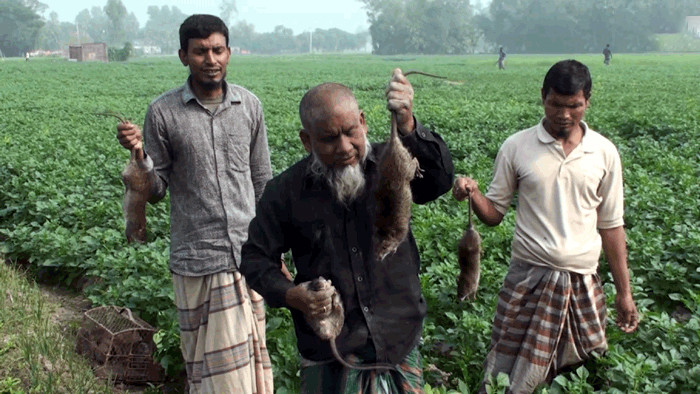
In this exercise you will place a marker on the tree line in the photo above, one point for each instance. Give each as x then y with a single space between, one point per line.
396 27
524 26
23 29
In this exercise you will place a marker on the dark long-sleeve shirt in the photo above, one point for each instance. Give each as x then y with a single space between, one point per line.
383 302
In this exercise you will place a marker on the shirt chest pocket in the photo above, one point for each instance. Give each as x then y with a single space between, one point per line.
237 151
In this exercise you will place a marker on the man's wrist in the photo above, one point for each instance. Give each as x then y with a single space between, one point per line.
408 128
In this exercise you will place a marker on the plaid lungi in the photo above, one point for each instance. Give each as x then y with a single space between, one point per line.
222 334
545 320
333 378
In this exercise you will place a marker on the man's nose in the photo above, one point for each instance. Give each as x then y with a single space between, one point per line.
345 145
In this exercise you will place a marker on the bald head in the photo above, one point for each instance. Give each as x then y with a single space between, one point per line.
321 102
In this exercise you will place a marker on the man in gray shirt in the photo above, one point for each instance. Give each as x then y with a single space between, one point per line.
208 143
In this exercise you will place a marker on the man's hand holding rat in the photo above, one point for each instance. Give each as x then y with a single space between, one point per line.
399 96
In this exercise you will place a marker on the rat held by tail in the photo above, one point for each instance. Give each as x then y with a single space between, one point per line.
397 168
137 178
469 257
138 185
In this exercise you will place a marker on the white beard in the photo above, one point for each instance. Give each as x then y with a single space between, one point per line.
347 183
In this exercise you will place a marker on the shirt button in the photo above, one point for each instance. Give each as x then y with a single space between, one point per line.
365 309
359 278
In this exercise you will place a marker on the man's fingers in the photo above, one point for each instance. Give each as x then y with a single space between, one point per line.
322 297
627 322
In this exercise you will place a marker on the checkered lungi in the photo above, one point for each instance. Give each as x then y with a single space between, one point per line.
545 320
333 378
222 334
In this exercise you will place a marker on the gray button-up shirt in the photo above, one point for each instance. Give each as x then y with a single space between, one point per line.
216 166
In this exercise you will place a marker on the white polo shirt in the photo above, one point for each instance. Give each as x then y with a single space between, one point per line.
562 200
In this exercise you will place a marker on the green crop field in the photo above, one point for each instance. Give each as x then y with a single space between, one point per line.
61 192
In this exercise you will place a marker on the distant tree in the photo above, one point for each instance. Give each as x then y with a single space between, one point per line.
94 23
162 27
242 35
132 29
228 9
421 26
20 23
116 13
36 6
389 26
668 16
282 40
55 34
551 26
334 40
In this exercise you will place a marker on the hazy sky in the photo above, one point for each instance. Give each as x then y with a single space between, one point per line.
299 15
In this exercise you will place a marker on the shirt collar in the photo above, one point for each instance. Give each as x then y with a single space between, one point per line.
230 95
546 138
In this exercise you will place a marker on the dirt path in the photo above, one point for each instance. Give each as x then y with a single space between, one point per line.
66 308
69 306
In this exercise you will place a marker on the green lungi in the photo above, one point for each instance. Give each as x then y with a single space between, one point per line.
333 378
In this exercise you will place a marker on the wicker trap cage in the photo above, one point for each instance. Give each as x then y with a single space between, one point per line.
120 344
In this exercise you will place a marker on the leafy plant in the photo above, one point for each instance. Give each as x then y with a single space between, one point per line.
61 193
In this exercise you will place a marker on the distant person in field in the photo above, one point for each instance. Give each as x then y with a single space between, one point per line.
607 53
26 56
322 209
208 143
568 178
501 59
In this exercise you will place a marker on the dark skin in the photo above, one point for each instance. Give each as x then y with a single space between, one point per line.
563 115
338 138
207 59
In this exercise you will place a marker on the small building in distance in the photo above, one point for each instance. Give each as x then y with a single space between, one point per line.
692 25
95 51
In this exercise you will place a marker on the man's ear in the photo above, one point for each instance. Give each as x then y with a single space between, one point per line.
183 57
363 123
305 139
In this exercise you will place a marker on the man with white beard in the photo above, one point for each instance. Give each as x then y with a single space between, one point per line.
323 209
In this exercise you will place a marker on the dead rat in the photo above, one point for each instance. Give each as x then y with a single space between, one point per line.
469 256
138 183
328 327
397 168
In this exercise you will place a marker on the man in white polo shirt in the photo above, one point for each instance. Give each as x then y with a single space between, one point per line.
551 310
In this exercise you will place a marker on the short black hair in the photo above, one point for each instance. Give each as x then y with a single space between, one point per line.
568 77
201 26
